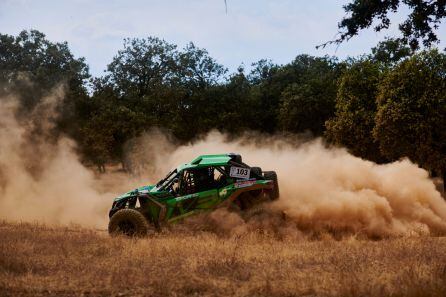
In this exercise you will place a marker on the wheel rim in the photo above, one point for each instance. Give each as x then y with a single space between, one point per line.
127 227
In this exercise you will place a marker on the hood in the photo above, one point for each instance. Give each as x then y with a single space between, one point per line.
143 189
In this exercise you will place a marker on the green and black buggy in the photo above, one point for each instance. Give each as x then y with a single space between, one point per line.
206 183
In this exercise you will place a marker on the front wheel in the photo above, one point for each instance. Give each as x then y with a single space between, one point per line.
128 222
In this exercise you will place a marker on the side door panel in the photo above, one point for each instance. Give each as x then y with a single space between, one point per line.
190 201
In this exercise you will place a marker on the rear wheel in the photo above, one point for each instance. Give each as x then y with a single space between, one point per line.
256 171
128 221
244 201
272 175
247 206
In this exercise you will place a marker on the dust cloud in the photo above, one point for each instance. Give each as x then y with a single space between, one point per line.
329 189
321 188
42 179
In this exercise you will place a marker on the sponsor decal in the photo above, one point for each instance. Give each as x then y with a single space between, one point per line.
223 192
186 197
239 172
245 183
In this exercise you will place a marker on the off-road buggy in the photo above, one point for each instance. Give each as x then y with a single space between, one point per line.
206 183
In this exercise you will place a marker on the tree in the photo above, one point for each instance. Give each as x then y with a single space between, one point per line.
108 122
411 117
142 66
198 70
390 51
262 70
236 109
109 126
266 86
169 86
269 83
421 23
307 104
31 66
354 118
143 76
197 76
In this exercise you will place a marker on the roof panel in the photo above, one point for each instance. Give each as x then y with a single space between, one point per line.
217 160
207 160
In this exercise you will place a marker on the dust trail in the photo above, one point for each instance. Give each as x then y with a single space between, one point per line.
329 189
42 179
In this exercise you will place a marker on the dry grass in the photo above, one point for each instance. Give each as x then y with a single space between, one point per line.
36 260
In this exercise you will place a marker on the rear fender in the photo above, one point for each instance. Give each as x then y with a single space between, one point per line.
263 187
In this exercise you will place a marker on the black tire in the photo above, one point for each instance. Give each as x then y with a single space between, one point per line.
256 171
242 203
254 211
128 222
272 175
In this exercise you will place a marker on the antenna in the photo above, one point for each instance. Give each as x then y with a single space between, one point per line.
226 7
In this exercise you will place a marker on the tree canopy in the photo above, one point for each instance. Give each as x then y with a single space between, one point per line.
310 101
420 26
30 65
382 106
355 113
411 116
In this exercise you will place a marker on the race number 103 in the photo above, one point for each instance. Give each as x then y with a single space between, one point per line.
240 172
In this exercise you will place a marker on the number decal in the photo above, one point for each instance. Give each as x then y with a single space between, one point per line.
240 172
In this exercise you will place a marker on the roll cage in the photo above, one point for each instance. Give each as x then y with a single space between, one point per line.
193 180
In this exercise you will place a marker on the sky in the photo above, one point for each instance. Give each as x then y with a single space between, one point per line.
250 30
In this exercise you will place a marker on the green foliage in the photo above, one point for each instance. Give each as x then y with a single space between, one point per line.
411 118
310 101
384 106
390 51
30 66
266 85
197 76
355 110
277 93
142 67
152 84
421 23
236 110
262 71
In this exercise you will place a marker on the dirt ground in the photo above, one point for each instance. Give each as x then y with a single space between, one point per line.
37 260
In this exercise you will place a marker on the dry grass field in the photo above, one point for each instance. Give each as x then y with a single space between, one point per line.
37 260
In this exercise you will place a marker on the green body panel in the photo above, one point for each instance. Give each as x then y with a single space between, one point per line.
180 207
162 206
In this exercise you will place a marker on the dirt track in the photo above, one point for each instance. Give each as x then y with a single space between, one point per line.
41 261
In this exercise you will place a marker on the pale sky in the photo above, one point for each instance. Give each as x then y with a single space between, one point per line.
251 30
